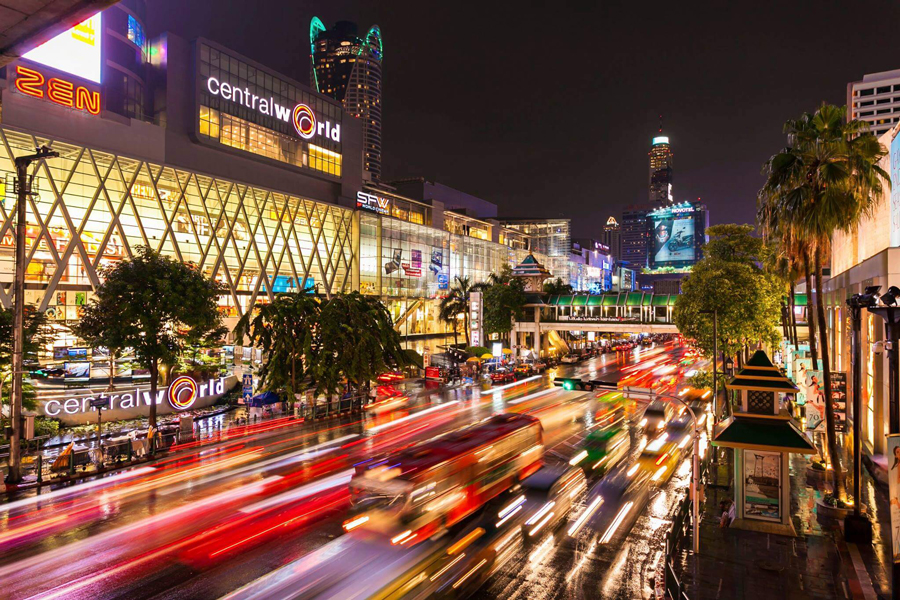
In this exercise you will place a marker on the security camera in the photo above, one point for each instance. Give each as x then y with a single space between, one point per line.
878 347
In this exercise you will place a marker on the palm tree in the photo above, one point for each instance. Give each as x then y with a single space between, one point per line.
456 302
827 178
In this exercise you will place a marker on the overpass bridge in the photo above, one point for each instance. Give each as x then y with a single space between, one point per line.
610 313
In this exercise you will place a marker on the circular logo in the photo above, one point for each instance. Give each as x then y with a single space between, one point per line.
304 121
182 392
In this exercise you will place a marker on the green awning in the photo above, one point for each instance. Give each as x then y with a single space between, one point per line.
672 299
660 299
799 300
777 435
595 300
763 385
610 299
552 300
579 300
634 298
648 298
621 299
564 301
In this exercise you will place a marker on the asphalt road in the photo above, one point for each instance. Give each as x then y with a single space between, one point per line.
205 523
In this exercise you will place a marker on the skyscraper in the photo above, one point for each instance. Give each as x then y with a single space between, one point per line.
661 170
348 68
634 236
612 237
876 100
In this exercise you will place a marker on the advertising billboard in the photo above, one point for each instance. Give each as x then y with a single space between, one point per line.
895 191
76 51
675 236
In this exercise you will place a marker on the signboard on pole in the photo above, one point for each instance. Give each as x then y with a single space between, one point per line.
893 456
476 327
247 388
839 399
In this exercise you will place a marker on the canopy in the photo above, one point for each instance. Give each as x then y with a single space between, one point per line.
773 434
264 399
473 359
487 356
507 351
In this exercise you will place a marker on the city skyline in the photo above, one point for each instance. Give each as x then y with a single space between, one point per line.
589 150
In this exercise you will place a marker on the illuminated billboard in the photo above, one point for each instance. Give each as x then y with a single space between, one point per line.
76 51
676 234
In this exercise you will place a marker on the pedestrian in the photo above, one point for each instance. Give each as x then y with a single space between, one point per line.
727 508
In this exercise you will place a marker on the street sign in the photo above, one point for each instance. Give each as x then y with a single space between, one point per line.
638 393
101 402
247 391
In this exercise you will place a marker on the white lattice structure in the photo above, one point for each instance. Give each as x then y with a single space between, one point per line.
93 208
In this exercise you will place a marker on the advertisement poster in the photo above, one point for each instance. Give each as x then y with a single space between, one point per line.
801 365
394 264
673 240
75 51
78 371
814 392
839 398
414 267
437 261
762 485
893 453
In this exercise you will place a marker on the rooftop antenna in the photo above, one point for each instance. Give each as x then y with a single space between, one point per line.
660 123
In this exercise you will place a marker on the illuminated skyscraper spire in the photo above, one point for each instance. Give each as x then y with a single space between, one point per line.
661 168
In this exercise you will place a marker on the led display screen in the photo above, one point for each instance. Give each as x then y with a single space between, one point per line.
76 51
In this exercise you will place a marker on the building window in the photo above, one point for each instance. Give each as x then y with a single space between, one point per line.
209 122
135 32
884 90
324 160
866 92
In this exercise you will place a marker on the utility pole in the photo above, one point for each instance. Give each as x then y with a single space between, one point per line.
23 192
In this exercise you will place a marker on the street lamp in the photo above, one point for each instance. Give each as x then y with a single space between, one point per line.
23 192
857 527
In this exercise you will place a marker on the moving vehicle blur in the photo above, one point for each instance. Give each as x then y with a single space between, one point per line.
503 375
421 491
605 448
547 498
657 415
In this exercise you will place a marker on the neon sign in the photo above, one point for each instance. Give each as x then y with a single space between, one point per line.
374 203
32 83
301 116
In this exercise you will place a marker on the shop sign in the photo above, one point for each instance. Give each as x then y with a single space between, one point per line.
62 92
371 202
301 116
895 191
181 395
762 485
476 333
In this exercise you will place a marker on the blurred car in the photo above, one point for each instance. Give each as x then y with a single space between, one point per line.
549 496
605 448
569 359
390 377
657 415
524 369
503 376
660 457
539 366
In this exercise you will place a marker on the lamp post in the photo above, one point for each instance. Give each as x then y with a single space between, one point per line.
23 192
857 527
715 313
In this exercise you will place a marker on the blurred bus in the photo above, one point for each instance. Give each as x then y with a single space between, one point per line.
418 492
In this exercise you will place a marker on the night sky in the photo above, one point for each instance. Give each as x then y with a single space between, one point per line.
548 108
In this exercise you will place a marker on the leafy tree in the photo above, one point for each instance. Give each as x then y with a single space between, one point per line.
478 351
355 341
93 330
456 303
38 335
730 280
502 302
557 288
153 303
283 331
827 178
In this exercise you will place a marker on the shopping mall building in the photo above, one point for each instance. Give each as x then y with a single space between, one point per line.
209 157
869 255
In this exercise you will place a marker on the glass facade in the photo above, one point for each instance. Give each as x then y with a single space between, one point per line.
94 208
241 122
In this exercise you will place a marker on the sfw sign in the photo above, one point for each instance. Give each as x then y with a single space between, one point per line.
373 203
183 394
302 116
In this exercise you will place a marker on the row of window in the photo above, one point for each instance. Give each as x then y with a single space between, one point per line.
885 89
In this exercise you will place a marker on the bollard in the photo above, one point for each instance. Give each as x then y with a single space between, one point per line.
40 468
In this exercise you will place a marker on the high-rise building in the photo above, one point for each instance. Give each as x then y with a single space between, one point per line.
348 68
634 236
612 237
661 170
875 99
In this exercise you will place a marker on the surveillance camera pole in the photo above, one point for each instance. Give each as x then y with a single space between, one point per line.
23 192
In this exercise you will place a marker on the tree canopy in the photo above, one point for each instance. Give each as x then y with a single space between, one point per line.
503 297
730 280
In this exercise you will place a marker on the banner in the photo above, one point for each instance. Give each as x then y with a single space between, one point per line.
762 485
893 456
895 191
839 399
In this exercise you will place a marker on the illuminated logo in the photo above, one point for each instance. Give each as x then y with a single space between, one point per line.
182 392
76 51
304 121
60 91
374 203
302 116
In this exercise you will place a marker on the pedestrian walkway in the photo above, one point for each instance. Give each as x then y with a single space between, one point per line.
817 564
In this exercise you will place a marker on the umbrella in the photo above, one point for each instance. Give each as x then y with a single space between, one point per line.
507 351
473 359
487 356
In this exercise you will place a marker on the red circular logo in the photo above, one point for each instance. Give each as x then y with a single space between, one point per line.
304 121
